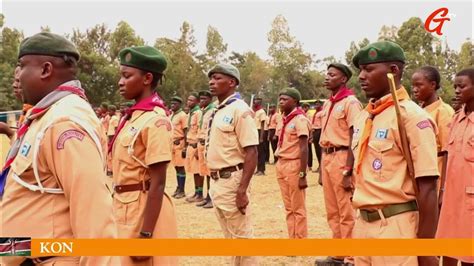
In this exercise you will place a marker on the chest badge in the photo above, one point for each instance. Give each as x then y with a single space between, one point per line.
25 149
381 133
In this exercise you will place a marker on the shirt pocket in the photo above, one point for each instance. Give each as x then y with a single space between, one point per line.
468 149
341 119
126 209
379 159
227 134
122 149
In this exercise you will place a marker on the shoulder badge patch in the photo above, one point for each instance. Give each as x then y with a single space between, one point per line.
424 124
69 134
163 122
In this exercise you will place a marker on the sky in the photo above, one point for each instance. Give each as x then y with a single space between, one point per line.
325 28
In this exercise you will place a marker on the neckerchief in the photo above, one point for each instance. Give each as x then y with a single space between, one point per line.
343 93
147 105
210 106
287 119
37 111
374 108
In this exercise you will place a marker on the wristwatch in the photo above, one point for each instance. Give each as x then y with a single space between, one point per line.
146 234
302 174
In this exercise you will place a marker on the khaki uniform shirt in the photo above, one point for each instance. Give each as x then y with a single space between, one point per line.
384 177
290 147
335 131
68 159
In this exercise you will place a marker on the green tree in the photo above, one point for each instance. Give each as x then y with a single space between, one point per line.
9 43
466 55
388 33
215 48
184 74
123 36
289 61
354 81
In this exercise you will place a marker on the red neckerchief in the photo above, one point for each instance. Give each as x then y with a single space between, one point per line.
343 93
147 104
287 119
256 108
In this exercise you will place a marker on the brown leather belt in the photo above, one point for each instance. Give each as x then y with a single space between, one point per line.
202 141
143 186
194 145
225 173
177 141
334 149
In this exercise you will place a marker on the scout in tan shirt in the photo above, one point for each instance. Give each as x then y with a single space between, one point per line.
425 83
207 107
305 107
179 119
274 118
141 151
456 218
336 164
231 156
50 191
384 190
192 158
260 118
292 155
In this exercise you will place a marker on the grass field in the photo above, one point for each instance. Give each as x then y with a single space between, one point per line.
268 215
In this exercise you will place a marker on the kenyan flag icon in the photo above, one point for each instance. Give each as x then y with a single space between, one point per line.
15 246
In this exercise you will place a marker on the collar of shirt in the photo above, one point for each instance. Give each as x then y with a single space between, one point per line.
434 105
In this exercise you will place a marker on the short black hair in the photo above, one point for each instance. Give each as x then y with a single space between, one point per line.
431 74
469 72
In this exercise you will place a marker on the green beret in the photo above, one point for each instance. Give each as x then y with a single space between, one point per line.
205 93
343 68
177 99
226 69
46 43
292 92
194 94
379 52
146 58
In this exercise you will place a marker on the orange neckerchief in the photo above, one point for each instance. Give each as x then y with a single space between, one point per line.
375 108
26 107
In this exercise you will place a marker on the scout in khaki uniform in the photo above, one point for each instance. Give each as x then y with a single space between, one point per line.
48 189
231 156
336 166
385 192
192 159
179 119
260 118
205 98
141 151
425 82
457 211
305 107
292 153
273 119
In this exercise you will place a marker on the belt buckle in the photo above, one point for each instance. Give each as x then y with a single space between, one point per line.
215 175
364 215
225 174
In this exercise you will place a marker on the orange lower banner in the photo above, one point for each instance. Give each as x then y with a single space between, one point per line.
252 247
